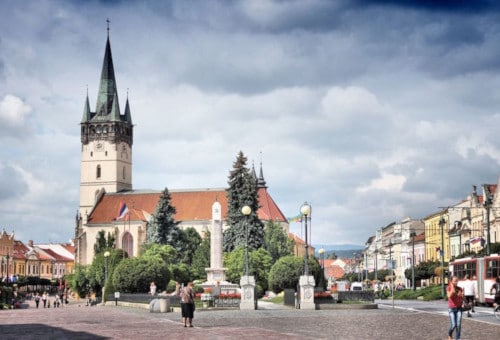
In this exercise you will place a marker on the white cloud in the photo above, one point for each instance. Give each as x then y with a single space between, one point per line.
386 182
370 118
13 111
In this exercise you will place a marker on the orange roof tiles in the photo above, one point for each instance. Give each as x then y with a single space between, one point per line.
269 210
190 205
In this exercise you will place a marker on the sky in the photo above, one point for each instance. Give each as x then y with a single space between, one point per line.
371 111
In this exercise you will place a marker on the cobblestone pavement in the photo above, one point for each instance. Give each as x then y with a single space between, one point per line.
77 321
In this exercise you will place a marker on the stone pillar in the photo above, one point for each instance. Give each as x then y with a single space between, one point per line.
247 284
306 283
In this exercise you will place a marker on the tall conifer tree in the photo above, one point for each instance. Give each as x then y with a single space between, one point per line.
163 229
242 191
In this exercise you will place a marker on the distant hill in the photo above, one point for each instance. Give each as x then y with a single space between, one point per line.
341 250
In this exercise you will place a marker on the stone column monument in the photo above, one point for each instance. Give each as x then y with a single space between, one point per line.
247 282
216 273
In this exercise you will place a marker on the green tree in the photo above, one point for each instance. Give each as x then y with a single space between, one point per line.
286 272
259 265
163 229
424 270
180 272
276 241
103 243
133 275
78 280
242 191
201 258
192 242
162 251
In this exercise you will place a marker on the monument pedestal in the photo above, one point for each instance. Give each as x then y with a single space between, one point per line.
307 283
247 284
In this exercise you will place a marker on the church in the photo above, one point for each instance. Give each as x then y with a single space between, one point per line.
108 201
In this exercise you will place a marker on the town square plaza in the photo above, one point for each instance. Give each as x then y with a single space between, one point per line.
77 321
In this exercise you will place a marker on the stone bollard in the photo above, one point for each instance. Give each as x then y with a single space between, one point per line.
164 305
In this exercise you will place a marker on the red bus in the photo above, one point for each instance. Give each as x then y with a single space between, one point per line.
482 270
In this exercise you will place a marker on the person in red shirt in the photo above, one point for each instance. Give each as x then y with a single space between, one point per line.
455 296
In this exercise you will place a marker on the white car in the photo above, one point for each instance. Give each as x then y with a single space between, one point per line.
356 286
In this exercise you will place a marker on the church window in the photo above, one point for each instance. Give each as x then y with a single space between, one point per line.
105 129
98 172
91 154
124 173
98 129
128 243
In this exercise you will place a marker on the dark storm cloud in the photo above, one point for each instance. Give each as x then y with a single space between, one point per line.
462 6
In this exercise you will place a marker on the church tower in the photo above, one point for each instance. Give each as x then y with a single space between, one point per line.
106 137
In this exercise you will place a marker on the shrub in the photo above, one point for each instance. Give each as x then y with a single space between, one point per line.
135 274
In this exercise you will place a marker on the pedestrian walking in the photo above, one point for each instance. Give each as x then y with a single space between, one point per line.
152 288
455 296
187 304
469 293
37 300
44 299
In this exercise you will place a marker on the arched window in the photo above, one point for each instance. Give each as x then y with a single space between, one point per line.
128 244
124 173
98 172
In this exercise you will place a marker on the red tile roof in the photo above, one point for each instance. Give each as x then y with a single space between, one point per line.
269 210
190 205
334 271
56 256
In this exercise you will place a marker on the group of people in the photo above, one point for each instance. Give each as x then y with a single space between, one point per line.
457 294
58 301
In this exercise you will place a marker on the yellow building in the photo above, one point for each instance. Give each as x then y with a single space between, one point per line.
437 242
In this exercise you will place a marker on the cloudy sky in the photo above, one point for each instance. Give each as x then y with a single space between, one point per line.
373 111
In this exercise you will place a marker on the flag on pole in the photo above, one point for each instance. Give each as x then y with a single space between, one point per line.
297 218
122 210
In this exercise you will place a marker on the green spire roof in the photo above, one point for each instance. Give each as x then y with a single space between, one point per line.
107 89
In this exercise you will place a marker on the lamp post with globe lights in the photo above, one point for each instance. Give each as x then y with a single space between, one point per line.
247 282
306 281
106 256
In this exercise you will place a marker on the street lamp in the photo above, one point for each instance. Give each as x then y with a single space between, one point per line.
246 210
392 272
412 235
441 225
8 279
305 210
321 252
106 255
487 206
52 268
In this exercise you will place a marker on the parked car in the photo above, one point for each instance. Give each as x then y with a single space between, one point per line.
356 286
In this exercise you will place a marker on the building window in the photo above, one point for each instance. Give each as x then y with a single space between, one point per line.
98 172
128 244
124 172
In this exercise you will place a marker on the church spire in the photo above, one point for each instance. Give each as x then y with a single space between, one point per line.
86 110
107 88
261 182
128 115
